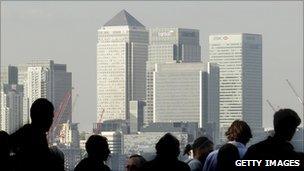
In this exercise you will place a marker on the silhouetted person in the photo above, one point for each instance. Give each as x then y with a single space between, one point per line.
201 147
226 157
187 155
167 151
57 157
135 162
238 134
29 143
98 152
278 146
4 151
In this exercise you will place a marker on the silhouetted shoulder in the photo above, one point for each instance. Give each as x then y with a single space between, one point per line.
89 165
183 166
271 148
164 166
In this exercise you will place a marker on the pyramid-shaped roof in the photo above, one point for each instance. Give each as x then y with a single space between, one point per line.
123 18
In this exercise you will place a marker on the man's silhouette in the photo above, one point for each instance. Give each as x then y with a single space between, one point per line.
4 151
135 162
98 152
29 143
278 146
167 151
201 147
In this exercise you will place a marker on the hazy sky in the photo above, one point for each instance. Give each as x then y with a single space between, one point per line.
67 33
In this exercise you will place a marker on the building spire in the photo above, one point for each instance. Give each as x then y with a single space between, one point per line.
123 18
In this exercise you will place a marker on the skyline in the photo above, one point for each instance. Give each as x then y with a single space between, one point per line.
10 57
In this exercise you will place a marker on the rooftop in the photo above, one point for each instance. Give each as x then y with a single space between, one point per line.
123 18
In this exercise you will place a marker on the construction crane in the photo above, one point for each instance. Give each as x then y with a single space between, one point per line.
98 125
301 101
58 115
295 93
62 132
271 106
74 103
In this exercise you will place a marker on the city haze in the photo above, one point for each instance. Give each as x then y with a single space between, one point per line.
67 33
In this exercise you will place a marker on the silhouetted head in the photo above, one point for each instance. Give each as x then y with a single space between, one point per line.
167 146
285 122
135 162
97 147
187 150
42 113
4 145
201 147
239 131
227 156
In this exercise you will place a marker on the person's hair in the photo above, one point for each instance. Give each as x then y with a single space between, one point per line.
97 147
187 149
141 159
285 122
239 131
201 142
41 109
168 146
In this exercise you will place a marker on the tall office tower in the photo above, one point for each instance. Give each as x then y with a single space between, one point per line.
11 95
9 75
46 79
168 45
239 57
182 92
11 107
122 51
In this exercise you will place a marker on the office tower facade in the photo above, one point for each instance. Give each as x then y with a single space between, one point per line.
122 51
168 45
181 92
239 57
45 79
11 107
136 115
9 75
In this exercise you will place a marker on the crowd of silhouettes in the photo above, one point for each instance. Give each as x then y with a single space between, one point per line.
28 149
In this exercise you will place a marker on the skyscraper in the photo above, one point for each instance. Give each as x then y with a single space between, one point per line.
239 57
11 116
168 45
45 79
122 51
181 92
9 75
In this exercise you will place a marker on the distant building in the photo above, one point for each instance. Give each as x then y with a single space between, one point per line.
9 75
136 115
69 143
239 57
45 79
168 45
182 92
11 95
11 117
117 159
122 52
143 143
69 135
